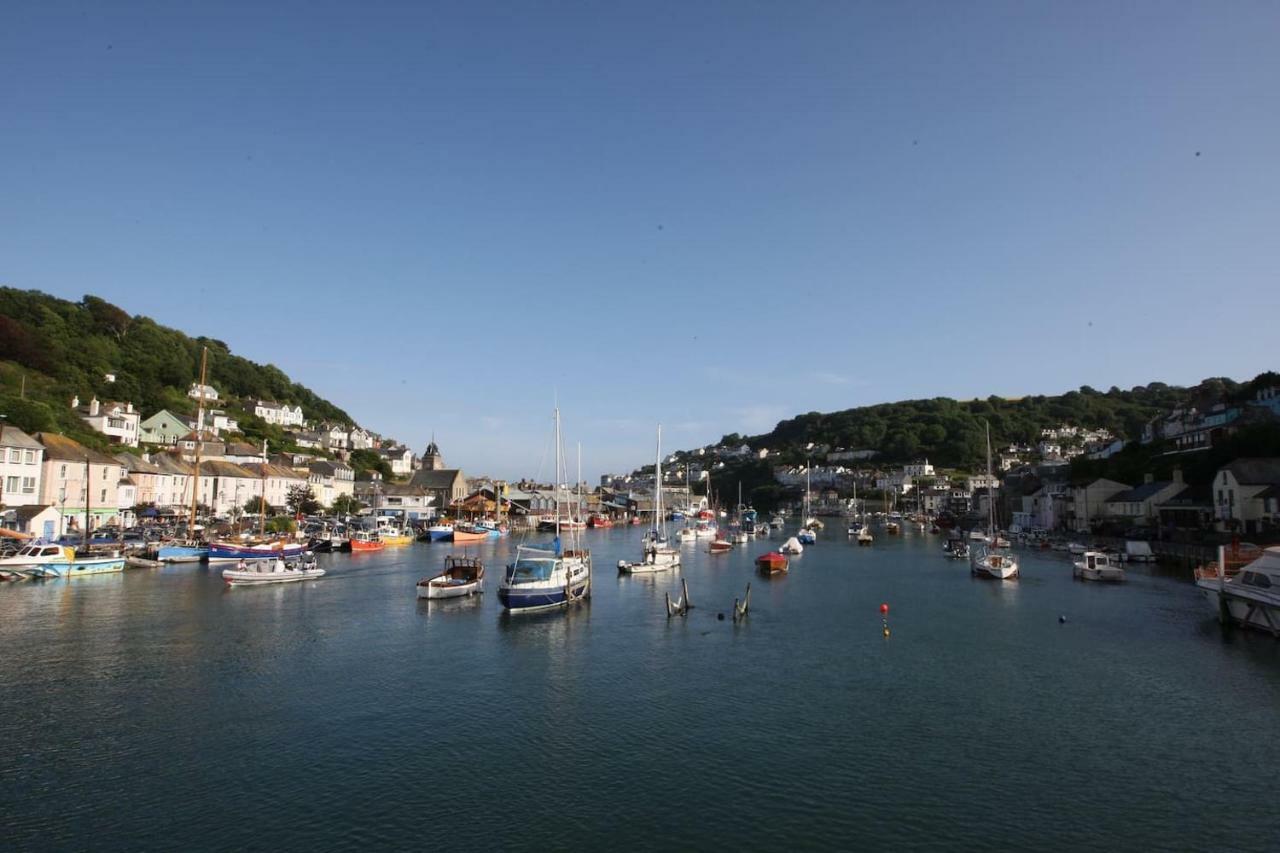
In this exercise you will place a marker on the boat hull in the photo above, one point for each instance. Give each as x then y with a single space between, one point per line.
221 552
440 534
524 600
461 536
181 553
432 590
237 578
79 567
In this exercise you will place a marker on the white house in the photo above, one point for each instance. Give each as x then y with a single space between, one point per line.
196 391
918 469
20 467
1246 495
335 436
1089 502
400 459
361 439
329 480
981 481
278 413
117 421
220 422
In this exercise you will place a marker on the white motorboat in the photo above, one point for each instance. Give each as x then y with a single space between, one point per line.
657 555
792 546
1138 552
864 535
777 522
462 576
1247 594
31 557
1097 566
261 572
686 534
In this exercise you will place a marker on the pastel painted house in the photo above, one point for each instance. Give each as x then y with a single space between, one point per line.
164 427
78 480
117 421
20 467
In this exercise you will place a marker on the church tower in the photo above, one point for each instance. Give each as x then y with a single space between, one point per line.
431 459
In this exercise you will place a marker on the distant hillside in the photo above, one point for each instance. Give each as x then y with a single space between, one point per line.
66 349
950 432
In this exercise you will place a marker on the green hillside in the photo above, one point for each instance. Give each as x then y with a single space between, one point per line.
951 432
64 349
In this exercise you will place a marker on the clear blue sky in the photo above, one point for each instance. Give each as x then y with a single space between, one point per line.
715 215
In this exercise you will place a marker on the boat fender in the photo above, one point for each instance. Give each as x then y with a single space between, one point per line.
720 617
1062 620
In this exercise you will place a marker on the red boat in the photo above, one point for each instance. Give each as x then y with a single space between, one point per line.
772 563
597 520
364 540
720 546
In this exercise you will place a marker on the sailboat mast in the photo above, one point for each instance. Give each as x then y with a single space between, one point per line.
577 495
88 498
558 463
657 480
991 501
195 483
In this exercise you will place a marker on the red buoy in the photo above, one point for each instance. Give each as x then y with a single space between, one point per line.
884 608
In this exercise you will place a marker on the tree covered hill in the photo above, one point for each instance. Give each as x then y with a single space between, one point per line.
65 349
951 432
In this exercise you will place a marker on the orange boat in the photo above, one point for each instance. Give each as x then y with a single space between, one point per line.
772 563
597 520
363 540
466 533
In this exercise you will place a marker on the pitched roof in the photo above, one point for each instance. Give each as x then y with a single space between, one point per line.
442 478
168 463
26 513
1140 493
11 436
259 469
1254 471
327 467
221 468
60 447
241 448
137 465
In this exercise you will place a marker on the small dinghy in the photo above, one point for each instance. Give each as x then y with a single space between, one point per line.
772 563
792 546
260 572
462 576
721 546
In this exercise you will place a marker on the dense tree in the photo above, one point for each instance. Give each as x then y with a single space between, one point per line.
301 500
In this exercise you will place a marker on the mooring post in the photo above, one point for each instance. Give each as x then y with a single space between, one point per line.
684 585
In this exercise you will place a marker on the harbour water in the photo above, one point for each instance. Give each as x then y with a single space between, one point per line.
159 710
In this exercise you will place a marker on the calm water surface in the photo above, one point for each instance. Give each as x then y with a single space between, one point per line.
159 710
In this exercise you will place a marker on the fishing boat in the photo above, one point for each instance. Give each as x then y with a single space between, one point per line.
469 533
597 521
495 528
31 557
546 577
1242 590
657 555
395 536
705 529
792 546
720 546
440 532
266 571
222 552
462 576
772 563
366 540
991 561
1097 566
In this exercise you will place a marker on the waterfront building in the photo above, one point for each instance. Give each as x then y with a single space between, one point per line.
210 447
330 480
1139 504
273 482
241 452
37 519
21 458
75 478
1246 495
173 483
1088 503
117 421
446 485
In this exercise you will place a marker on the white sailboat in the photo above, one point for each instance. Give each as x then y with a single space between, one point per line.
806 535
544 578
658 555
991 561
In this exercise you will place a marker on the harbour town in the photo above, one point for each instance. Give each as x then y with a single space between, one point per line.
678 426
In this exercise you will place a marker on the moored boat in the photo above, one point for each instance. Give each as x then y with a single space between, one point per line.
462 576
365 540
792 546
1244 591
469 534
772 563
439 532
720 546
231 551
1097 566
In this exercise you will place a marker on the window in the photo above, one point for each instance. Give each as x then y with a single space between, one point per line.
63 473
1231 497
104 496
14 454
31 457
11 485
28 485
105 473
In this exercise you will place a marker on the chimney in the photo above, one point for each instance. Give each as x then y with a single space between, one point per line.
1148 478
128 407
94 407
75 402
